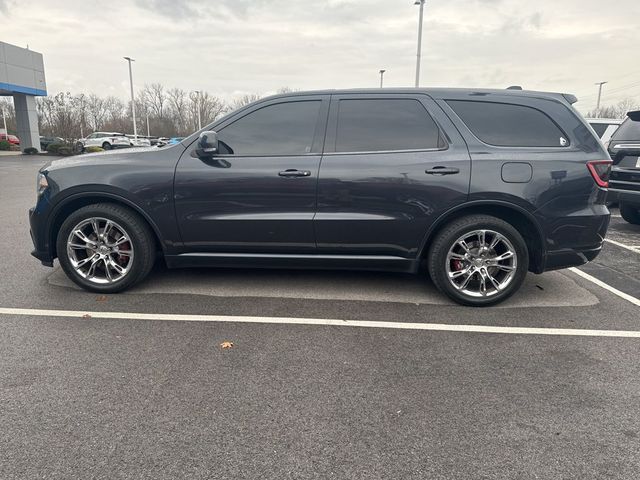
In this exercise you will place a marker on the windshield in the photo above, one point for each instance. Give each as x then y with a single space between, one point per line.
629 130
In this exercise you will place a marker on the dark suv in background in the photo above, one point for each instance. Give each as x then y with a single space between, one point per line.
480 186
624 148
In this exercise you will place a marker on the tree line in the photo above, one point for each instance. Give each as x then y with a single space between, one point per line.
160 111
618 110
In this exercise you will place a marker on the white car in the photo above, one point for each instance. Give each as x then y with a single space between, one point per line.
106 140
604 127
140 141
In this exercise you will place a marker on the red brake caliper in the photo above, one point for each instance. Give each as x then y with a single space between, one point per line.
122 258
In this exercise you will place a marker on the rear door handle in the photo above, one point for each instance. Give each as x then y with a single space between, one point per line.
442 170
292 172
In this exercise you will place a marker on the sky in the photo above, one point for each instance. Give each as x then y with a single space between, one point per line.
233 47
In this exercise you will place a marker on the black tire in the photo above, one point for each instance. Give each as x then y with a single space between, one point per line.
139 232
630 214
106 146
446 238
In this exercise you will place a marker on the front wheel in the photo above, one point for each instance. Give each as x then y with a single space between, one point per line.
106 146
630 214
478 260
105 248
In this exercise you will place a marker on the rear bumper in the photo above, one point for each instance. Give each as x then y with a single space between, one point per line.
570 258
575 239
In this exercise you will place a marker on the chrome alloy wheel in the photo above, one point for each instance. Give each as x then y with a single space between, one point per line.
100 250
481 263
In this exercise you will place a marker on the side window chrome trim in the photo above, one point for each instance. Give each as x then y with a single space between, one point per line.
414 150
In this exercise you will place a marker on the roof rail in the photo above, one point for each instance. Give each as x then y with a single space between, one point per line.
514 87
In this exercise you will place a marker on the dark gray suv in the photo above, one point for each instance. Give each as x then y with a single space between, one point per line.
479 186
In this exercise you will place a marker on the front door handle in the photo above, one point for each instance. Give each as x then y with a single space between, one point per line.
442 171
292 172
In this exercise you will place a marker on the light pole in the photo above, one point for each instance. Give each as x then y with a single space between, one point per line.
198 109
600 84
4 120
148 134
419 54
133 100
381 76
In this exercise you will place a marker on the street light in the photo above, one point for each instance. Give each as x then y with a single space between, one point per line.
419 54
133 100
600 84
198 109
381 75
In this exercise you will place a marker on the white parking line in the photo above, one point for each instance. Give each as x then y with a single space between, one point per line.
628 247
606 286
321 322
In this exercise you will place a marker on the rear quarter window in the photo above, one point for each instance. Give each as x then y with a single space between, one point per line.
599 128
509 125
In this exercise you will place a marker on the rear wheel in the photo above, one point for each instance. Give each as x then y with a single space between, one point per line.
106 146
478 260
105 248
630 214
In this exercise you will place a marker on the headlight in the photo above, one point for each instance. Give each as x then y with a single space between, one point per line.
42 184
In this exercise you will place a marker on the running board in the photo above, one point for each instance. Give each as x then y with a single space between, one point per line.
279 260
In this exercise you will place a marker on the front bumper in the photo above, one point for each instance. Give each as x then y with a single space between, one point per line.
42 248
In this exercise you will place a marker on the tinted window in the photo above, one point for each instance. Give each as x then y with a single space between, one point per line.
280 129
508 125
629 130
599 128
369 125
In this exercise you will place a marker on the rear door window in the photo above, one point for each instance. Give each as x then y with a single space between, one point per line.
380 124
509 125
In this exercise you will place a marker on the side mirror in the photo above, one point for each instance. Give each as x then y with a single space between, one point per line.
207 144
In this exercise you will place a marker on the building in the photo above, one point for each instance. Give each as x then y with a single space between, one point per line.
22 77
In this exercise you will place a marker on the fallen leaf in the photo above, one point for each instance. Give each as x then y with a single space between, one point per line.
101 298
86 315
226 344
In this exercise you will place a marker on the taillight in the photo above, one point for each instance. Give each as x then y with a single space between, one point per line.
600 170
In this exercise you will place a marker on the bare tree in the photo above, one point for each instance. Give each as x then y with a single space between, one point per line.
244 100
287 90
179 107
156 98
117 117
96 111
211 108
619 110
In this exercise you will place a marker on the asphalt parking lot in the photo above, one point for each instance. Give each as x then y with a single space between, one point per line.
331 374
